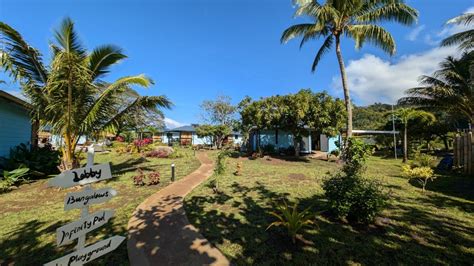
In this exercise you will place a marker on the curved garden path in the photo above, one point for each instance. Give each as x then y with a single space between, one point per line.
159 232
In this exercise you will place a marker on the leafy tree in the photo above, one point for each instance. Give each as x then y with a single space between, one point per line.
354 19
69 94
296 113
216 133
405 115
449 89
219 111
372 117
464 39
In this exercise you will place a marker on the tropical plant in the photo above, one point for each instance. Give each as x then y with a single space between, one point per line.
10 178
405 115
139 179
42 160
293 220
449 89
354 19
70 95
421 174
355 157
464 39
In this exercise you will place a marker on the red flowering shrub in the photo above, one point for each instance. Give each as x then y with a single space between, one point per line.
139 180
157 154
120 139
153 178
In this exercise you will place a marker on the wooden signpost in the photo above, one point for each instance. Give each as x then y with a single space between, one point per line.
88 222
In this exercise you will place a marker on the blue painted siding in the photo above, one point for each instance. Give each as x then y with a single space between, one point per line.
15 126
332 144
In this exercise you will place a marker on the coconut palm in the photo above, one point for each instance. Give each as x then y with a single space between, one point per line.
354 19
405 115
69 95
464 39
449 89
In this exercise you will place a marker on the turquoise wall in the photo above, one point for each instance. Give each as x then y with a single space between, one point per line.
15 126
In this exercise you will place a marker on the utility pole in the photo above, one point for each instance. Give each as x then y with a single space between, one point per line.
394 136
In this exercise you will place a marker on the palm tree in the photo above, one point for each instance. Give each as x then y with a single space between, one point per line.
464 39
69 94
405 115
354 19
449 89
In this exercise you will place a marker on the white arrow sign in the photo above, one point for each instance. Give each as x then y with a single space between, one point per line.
82 176
86 197
67 233
89 253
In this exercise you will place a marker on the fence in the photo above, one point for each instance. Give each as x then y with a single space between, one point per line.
464 152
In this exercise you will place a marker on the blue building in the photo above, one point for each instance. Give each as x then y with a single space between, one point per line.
15 123
281 139
186 135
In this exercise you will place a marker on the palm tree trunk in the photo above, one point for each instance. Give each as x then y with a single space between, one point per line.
405 144
347 97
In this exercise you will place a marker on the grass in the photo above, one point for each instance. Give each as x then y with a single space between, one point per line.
31 214
435 227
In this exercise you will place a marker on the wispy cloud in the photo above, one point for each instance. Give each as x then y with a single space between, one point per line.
170 123
372 79
413 35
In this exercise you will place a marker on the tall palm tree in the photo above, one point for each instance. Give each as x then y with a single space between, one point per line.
464 39
354 19
450 89
69 94
405 115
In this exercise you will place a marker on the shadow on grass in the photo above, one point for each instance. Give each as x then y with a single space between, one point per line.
406 236
24 245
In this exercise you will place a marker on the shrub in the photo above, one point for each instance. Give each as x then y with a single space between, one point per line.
120 139
43 161
350 195
156 154
423 160
290 218
139 180
420 174
355 156
153 178
355 198
268 149
10 178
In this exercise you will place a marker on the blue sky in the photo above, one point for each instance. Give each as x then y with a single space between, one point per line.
199 49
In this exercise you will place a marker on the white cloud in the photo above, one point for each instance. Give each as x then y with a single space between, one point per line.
413 35
372 79
170 123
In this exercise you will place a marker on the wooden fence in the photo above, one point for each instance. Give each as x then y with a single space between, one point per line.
464 152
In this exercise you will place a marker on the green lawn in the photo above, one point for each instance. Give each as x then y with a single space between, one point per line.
432 228
30 215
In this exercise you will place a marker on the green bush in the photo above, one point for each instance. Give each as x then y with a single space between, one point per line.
350 195
355 198
269 149
42 161
10 178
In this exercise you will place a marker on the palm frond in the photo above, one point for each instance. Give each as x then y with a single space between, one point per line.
397 11
102 58
67 38
322 51
20 59
374 34
297 31
464 39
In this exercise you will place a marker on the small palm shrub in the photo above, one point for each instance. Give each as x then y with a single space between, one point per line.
421 174
43 161
349 194
291 219
10 178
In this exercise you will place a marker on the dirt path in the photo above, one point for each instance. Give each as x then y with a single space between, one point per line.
159 232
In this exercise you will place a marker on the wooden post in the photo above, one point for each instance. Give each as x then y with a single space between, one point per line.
81 241
465 153
470 153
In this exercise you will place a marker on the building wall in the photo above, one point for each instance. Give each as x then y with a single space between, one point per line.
15 126
285 140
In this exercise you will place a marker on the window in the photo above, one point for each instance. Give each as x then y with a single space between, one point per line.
236 137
